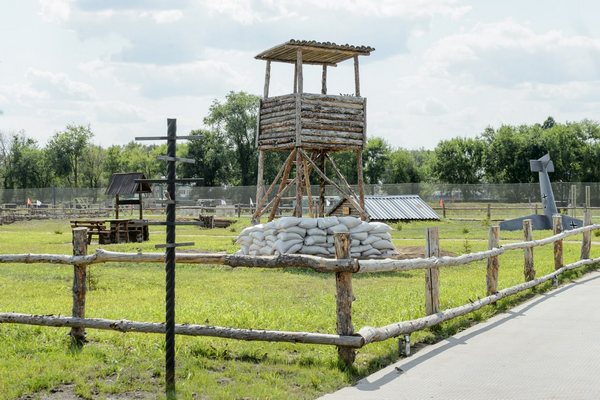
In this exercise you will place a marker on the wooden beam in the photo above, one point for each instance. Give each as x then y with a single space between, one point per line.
344 298
259 204
432 275
356 77
299 169
586 243
80 244
260 184
528 268
493 263
361 181
558 245
284 178
324 80
321 174
307 187
322 185
350 192
267 79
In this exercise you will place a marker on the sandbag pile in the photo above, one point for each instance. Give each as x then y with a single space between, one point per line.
315 236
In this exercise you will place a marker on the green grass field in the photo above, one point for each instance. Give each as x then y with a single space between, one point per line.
38 359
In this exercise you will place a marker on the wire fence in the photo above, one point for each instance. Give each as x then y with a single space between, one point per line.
527 193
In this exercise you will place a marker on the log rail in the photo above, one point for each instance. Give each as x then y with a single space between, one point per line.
346 338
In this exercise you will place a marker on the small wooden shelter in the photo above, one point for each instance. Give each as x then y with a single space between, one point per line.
124 184
309 126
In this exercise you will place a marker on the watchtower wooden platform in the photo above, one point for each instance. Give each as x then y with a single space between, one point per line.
310 126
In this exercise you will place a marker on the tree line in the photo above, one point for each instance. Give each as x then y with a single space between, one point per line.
226 154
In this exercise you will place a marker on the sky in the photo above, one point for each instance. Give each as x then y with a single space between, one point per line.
441 68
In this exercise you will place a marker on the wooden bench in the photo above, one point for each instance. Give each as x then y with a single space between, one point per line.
95 227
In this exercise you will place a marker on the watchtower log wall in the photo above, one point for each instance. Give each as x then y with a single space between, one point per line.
327 122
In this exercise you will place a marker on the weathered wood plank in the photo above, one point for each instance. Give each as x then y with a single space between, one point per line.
361 183
344 297
528 268
267 79
80 243
432 275
586 243
356 77
286 173
493 262
558 245
183 329
324 80
313 137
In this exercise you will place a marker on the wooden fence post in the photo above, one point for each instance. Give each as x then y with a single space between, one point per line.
558 245
493 263
80 244
443 209
586 243
528 270
432 283
344 298
489 212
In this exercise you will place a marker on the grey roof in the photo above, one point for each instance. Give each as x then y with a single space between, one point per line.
396 208
314 52
124 183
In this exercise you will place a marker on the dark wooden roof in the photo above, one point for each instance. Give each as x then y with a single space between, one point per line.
314 52
124 183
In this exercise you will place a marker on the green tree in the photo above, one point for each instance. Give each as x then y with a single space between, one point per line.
66 150
26 165
212 158
402 168
92 166
375 158
458 160
235 121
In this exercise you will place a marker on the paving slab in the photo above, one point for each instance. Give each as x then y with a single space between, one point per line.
546 348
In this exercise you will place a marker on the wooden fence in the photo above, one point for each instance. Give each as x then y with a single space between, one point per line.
346 339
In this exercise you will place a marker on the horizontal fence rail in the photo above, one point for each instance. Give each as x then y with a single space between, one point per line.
342 266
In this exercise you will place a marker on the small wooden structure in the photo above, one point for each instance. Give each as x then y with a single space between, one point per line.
309 126
125 184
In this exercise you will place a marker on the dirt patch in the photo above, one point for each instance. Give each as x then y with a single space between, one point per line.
408 252
67 392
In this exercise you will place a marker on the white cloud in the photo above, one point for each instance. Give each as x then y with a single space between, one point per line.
430 106
118 112
55 10
58 86
164 16
507 53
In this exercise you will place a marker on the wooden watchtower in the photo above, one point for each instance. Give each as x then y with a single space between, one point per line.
310 126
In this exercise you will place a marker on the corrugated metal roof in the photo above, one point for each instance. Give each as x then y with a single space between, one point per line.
396 208
314 52
124 183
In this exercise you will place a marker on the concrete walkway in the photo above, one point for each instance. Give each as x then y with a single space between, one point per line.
547 348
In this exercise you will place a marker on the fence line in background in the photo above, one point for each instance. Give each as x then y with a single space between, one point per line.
343 266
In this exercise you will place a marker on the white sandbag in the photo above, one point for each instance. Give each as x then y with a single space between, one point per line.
294 229
257 235
363 227
370 239
355 255
330 239
266 251
287 222
285 236
339 228
361 248
327 222
350 222
315 231
383 245
308 223
270 243
384 236
244 249
283 246
314 250
271 225
359 235
253 253
254 247
271 231
271 238
295 248
354 243
244 240
372 252
311 240
380 227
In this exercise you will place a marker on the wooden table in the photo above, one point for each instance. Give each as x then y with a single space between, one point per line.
114 230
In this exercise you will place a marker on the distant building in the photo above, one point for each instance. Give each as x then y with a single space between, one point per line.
388 208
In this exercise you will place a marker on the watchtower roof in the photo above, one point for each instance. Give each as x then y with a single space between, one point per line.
313 52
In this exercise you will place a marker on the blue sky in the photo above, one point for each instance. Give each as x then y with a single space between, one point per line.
441 68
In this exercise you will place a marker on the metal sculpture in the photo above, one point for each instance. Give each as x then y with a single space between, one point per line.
542 166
